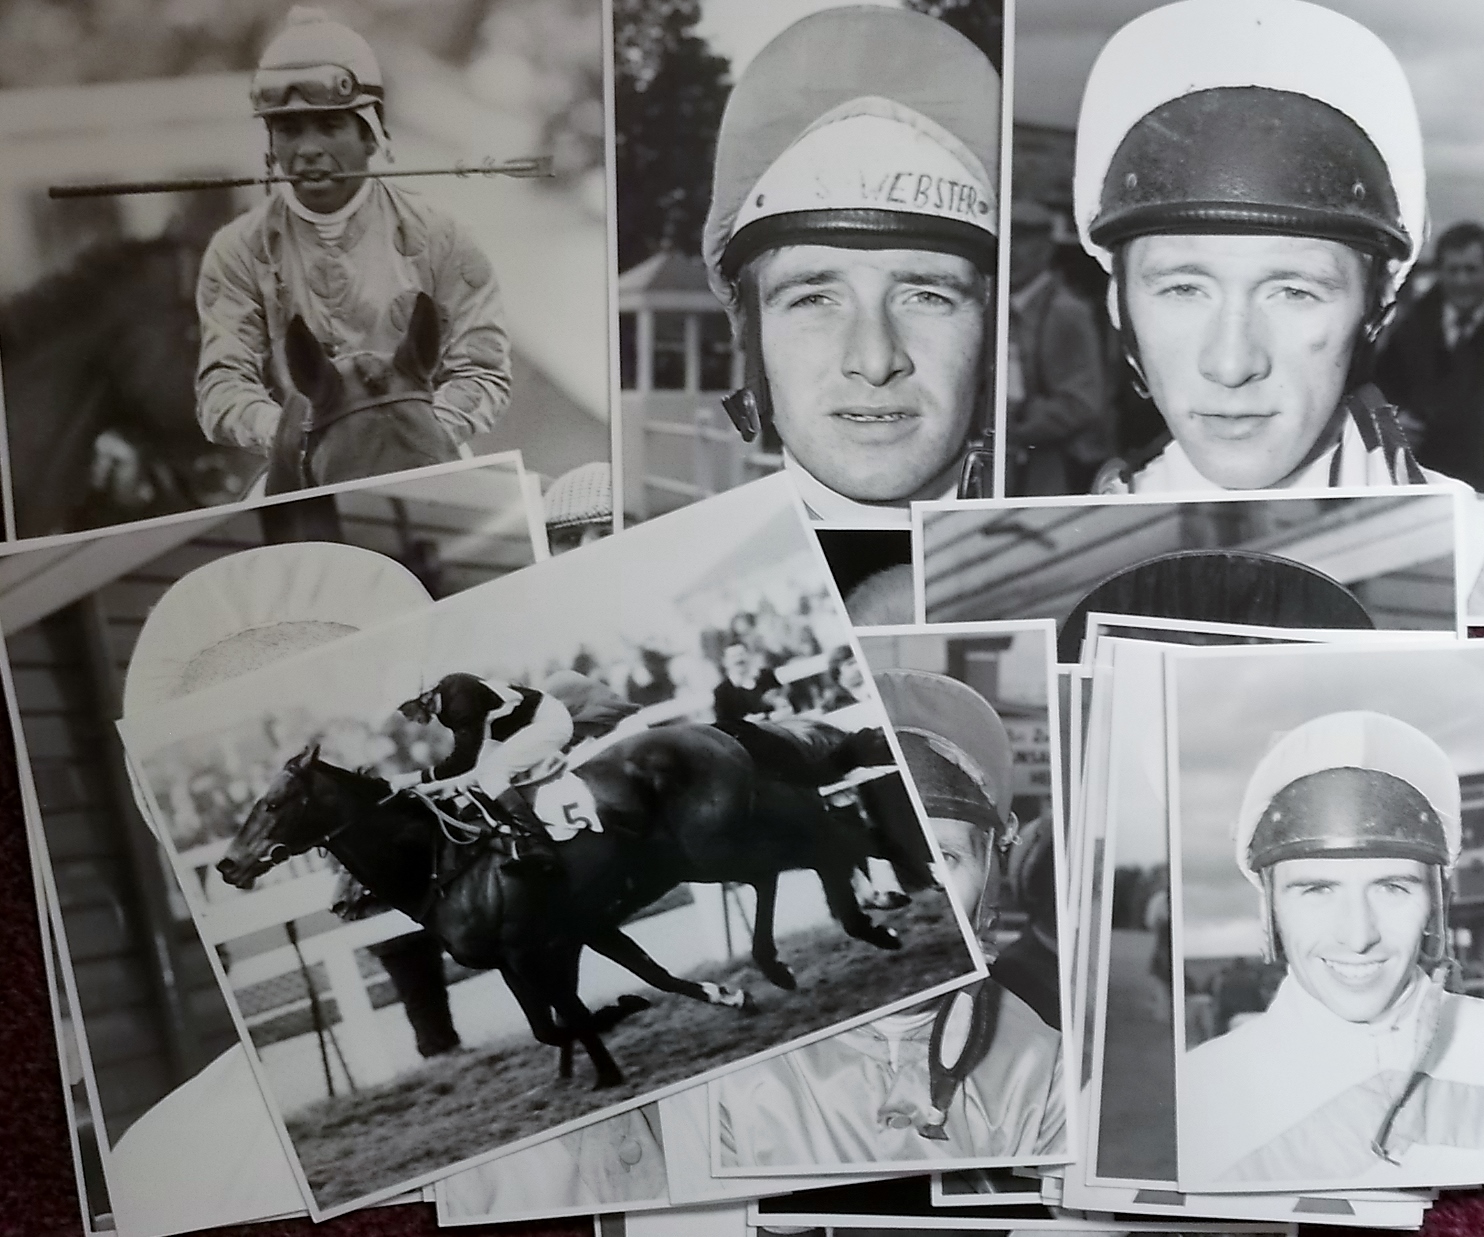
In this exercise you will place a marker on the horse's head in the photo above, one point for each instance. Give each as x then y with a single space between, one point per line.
369 412
364 379
277 828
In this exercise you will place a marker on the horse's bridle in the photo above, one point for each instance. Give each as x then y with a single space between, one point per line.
321 842
313 424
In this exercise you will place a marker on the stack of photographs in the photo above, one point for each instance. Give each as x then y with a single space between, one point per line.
686 617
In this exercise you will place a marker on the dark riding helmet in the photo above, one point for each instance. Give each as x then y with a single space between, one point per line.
957 749
1353 785
1250 130
1245 159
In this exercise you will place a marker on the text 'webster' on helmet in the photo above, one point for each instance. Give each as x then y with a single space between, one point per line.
858 126
1269 116
957 749
315 64
1350 785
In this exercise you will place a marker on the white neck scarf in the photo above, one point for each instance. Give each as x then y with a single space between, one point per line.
330 227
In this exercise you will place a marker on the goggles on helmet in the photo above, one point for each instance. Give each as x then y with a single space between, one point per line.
309 88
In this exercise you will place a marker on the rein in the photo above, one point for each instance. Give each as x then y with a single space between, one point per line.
313 424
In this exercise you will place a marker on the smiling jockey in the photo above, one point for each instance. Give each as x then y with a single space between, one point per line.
502 733
350 256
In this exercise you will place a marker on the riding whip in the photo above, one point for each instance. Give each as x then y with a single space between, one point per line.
533 167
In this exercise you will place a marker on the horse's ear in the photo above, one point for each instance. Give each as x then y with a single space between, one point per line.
310 366
307 757
417 354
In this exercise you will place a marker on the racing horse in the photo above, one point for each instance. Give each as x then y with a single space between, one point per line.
362 414
679 803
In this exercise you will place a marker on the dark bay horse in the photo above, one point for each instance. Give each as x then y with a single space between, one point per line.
108 348
679 803
362 414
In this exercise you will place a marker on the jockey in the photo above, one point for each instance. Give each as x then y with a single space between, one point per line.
1257 206
579 507
502 733
350 256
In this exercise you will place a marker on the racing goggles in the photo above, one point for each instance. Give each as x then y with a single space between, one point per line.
309 88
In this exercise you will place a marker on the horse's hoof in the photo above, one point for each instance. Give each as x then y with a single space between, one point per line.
749 1006
606 1081
779 975
885 938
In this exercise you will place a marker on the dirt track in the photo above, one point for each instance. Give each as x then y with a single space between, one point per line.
460 1106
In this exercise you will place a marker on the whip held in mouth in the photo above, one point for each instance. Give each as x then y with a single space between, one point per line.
536 166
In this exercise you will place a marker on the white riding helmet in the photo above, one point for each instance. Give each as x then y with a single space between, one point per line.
1268 116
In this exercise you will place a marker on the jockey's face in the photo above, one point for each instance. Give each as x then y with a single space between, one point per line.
1352 929
575 536
312 145
419 710
1246 345
965 849
873 364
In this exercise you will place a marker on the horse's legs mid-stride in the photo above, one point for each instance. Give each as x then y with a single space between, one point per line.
839 893
618 946
764 947
539 1000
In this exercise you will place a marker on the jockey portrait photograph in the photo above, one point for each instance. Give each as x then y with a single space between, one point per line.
284 253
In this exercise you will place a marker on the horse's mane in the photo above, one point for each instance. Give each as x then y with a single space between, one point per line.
352 776
54 302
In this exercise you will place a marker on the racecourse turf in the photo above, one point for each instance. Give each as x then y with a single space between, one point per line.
471 1102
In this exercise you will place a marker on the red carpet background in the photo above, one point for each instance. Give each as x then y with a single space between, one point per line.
37 1194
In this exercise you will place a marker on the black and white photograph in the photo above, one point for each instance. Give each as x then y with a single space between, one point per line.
1325 935
515 854
972 708
808 220
985 1187
905 1205
873 569
1191 310
1131 1161
265 247
1362 560
94 629
614 1165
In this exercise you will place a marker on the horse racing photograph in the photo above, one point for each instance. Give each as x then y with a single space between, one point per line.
634 792
259 248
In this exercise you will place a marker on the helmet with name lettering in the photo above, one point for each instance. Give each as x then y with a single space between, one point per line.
858 127
1245 129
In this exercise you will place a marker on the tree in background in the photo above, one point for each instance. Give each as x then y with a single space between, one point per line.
982 22
669 92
